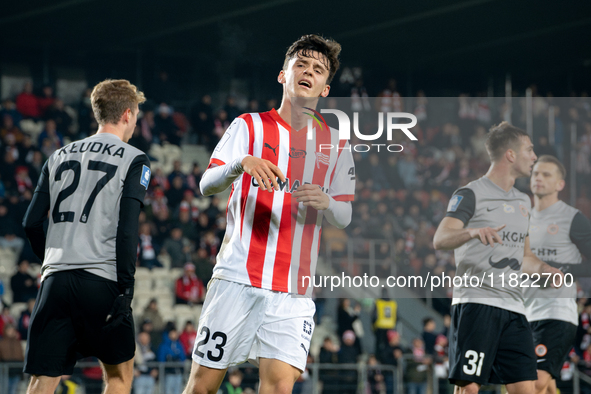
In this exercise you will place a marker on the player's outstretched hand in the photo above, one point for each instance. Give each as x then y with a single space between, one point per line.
548 269
312 196
120 310
265 172
487 235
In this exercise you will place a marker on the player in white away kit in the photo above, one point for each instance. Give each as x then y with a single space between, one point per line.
282 187
559 235
487 223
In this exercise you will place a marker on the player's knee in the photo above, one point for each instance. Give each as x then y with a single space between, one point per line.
466 388
541 386
282 387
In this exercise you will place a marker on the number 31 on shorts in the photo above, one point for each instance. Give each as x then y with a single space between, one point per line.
474 366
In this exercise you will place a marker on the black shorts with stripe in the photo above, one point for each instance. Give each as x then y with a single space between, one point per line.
490 345
553 340
67 324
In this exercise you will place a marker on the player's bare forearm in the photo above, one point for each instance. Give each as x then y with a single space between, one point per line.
450 238
451 234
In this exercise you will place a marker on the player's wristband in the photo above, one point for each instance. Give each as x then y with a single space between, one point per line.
126 291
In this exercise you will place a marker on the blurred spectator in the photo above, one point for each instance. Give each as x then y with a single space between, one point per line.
329 355
50 139
175 194
346 316
152 314
417 368
201 118
86 121
194 178
348 354
8 107
145 377
384 319
9 227
63 121
148 250
392 355
232 386
9 128
375 378
23 285
139 141
11 350
407 169
27 103
147 128
220 124
8 168
204 265
25 319
187 337
231 108
210 242
429 335
23 180
177 247
171 350
159 180
165 127
46 100
177 171
6 318
189 289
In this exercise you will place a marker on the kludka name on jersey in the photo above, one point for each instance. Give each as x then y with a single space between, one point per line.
288 186
95 147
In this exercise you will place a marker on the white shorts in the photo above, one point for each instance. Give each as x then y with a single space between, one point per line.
242 323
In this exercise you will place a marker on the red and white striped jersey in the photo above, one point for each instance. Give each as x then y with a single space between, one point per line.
271 240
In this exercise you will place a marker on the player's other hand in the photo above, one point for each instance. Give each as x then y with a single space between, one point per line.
487 235
121 310
312 196
548 269
263 171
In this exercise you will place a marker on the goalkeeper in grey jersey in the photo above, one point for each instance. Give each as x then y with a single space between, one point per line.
559 234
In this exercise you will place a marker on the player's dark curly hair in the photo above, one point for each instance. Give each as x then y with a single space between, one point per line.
309 43
502 137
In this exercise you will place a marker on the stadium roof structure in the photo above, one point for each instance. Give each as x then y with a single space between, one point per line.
437 37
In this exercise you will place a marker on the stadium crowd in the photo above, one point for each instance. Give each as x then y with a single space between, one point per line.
400 199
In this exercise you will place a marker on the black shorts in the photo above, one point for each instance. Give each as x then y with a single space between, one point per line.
490 345
553 340
67 322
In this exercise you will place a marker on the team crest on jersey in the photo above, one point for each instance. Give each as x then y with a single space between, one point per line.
553 229
454 203
541 350
508 208
322 158
523 210
145 179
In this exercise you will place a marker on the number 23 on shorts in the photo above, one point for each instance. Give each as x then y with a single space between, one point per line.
474 366
219 346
